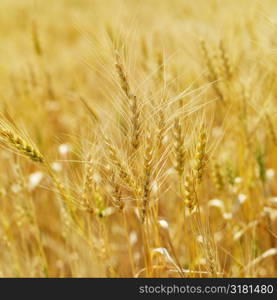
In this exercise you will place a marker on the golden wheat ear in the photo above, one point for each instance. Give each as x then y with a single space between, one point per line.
19 144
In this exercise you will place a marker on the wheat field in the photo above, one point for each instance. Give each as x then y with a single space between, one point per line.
138 138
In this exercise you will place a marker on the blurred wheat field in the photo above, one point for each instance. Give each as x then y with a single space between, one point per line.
138 138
